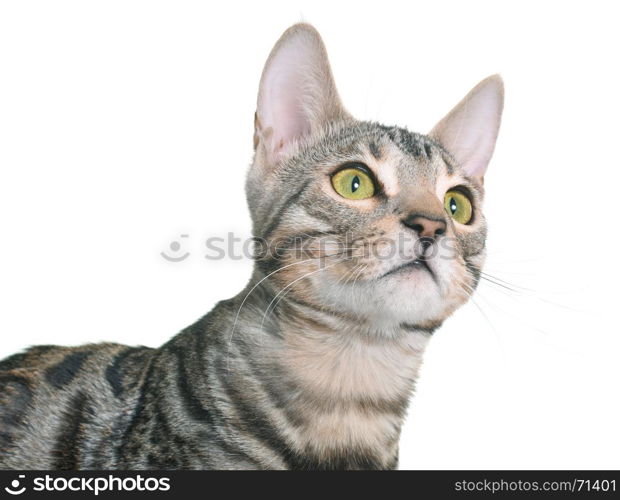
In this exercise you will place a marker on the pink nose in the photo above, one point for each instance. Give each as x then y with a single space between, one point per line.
425 226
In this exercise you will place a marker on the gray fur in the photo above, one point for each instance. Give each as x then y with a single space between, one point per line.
310 367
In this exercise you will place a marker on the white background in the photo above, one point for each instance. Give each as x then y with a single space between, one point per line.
124 124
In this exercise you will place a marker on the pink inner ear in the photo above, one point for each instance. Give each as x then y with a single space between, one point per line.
476 167
286 117
470 130
281 106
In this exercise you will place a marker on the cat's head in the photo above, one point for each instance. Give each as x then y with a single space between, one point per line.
370 222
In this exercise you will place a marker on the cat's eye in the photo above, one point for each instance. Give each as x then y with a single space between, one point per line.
458 206
353 183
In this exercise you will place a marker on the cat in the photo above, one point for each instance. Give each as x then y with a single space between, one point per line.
313 364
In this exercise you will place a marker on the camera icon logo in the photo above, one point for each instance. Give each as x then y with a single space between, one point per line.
177 254
14 489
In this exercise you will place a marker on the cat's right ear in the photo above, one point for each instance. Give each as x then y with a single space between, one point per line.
470 130
297 94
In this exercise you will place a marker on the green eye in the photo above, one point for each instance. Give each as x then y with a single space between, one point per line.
353 184
458 206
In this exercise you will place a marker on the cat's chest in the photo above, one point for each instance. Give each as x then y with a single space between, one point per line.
344 367
355 391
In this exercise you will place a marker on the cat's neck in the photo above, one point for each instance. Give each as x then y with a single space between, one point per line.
352 383
342 359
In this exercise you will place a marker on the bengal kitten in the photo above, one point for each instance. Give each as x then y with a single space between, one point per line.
313 364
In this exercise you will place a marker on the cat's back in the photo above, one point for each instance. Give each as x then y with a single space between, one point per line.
65 407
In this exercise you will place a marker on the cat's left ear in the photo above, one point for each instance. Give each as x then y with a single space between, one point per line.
470 130
297 94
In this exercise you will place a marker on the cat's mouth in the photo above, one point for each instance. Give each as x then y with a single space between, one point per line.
419 263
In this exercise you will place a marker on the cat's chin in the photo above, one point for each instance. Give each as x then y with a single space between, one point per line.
410 294
410 269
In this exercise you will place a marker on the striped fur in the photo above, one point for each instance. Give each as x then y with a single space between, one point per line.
310 367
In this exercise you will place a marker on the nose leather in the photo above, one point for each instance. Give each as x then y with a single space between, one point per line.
426 226
423 213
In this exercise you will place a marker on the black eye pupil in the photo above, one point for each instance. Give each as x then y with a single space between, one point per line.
355 184
453 206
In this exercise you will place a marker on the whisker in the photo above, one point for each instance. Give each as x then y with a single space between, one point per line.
507 287
275 299
232 332
498 336
515 318
527 293
349 275
359 273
